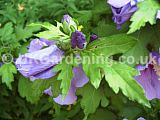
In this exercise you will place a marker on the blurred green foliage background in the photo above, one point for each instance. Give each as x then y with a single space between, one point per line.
15 34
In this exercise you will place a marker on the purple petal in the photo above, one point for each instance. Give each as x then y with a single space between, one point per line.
70 97
32 64
1 64
141 118
37 44
78 40
79 80
121 3
150 83
48 91
69 20
155 57
140 67
118 3
93 37
121 15
44 75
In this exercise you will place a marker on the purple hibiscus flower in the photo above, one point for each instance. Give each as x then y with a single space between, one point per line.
149 78
122 10
79 80
78 40
38 63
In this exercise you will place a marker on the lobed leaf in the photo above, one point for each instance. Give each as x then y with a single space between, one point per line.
112 45
7 71
146 12
65 76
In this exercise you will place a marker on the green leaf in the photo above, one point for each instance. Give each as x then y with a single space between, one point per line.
91 69
52 32
84 15
39 86
65 76
23 33
44 25
131 112
26 87
25 90
8 41
112 45
7 71
103 114
103 29
6 34
90 99
66 28
120 76
138 51
146 12
104 101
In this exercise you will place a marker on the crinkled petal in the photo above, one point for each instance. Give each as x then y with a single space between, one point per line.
80 78
36 62
150 83
121 15
128 9
70 98
48 91
37 44
44 75
118 3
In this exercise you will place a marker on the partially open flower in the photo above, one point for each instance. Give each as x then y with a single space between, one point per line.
69 20
38 63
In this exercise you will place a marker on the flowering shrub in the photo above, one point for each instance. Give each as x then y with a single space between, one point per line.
91 60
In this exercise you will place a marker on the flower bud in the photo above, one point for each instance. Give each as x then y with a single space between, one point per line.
78 40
